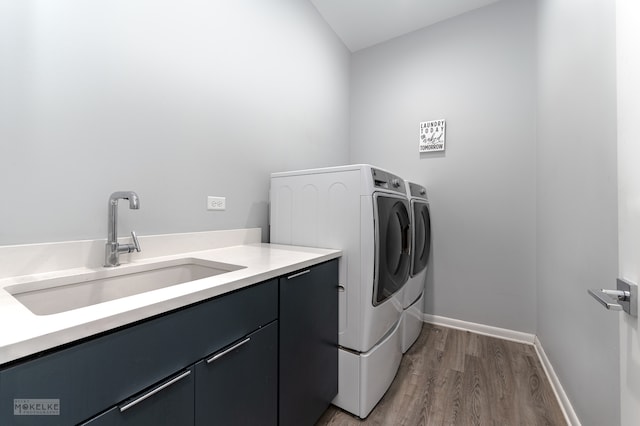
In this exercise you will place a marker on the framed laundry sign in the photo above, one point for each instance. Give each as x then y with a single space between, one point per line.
432 135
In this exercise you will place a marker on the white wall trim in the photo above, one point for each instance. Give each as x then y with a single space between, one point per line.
567 409
520 337
487 330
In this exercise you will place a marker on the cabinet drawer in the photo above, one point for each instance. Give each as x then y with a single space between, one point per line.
98 373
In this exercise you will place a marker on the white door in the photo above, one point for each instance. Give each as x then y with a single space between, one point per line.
628 64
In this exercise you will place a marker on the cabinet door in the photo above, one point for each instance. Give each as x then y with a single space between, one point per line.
308 343
168 403
238 385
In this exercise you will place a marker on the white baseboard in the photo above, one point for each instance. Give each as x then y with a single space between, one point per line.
487 330
567 409
520 337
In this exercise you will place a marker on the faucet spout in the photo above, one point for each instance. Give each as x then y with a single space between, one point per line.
112 247
134 200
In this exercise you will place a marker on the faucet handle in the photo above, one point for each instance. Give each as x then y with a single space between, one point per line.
136 243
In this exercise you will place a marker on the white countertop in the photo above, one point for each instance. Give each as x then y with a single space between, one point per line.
24 333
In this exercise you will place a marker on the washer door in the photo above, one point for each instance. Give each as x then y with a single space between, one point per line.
421 243
392 237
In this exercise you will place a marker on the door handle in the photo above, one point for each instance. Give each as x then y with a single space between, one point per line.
290 277
625 298
609 298
154 391
226 351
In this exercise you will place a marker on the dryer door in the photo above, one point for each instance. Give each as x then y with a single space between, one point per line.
421 243
392 235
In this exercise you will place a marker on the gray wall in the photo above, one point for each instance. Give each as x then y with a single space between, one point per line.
175 100
577 201
477 71
183 100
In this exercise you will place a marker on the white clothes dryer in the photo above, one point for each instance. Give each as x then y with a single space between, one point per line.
420 249
364 211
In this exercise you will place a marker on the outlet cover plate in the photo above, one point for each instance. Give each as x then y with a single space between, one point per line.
216 203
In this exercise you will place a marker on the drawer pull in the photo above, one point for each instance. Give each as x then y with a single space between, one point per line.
152 392
298 274
226 351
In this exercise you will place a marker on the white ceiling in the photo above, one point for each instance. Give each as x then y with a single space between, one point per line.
363 23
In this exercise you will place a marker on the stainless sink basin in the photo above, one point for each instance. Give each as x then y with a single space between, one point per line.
63 294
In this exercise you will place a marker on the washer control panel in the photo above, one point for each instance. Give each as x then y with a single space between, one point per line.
389 181
416 190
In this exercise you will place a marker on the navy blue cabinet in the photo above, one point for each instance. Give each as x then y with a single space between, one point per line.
308 343
266 354
99 373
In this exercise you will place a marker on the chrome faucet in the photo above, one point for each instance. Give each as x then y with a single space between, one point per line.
113 248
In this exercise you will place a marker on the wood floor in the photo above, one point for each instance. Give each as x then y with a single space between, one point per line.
452 377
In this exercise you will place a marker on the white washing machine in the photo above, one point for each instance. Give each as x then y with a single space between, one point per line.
412 299
364 211
411 323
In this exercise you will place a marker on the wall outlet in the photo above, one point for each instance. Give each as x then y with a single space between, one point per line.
216 203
